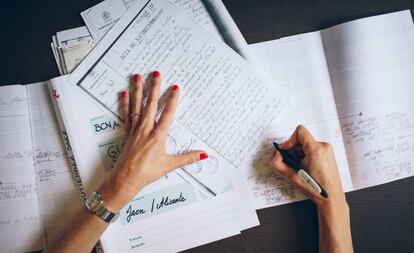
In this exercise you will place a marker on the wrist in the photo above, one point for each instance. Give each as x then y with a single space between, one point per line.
333 209
117 195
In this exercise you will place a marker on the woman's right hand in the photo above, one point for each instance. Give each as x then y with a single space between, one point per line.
318 159
333 212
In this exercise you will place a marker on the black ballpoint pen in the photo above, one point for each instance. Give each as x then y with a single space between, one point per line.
308 179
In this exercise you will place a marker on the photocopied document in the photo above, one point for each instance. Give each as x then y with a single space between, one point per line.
20 226
352 85
100 18
70 47
224 101
211 14
187 216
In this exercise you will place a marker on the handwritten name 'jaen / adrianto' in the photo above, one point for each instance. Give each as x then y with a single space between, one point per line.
165 201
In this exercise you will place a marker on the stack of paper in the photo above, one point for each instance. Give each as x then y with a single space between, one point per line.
70 47
96 135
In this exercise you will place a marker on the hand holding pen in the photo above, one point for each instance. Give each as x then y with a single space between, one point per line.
317 160
306 178
315 167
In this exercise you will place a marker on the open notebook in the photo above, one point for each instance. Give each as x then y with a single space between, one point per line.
353 88
37 191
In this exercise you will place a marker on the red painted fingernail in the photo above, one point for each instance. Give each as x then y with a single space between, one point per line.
137 77
175 87
124 94
203 156
156 74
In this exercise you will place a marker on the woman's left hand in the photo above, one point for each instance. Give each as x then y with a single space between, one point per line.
144 158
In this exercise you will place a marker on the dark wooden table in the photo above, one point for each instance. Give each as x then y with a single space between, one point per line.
382 217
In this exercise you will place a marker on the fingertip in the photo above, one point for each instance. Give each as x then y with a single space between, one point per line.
136 78
203 156
124 94
175 88
156 74
174 91
187 158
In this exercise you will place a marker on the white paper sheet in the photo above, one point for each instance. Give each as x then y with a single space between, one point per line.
71 36
74 53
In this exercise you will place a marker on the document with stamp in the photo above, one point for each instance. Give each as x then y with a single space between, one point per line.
102 17
211 14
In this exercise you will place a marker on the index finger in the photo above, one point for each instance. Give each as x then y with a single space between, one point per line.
301 137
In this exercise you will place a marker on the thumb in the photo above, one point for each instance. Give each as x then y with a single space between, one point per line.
181 160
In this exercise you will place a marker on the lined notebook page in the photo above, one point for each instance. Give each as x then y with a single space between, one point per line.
20 229
371 64
58 195
297 63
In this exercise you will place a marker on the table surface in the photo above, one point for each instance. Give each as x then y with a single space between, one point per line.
382 217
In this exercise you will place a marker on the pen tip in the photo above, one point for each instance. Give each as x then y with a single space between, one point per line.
276 145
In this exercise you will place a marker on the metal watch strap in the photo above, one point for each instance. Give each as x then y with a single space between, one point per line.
96 205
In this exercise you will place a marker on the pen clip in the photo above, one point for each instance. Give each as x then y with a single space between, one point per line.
309 180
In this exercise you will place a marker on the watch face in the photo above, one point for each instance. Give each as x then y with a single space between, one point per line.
93 201
96 205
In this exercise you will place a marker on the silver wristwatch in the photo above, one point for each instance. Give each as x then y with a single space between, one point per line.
96 205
